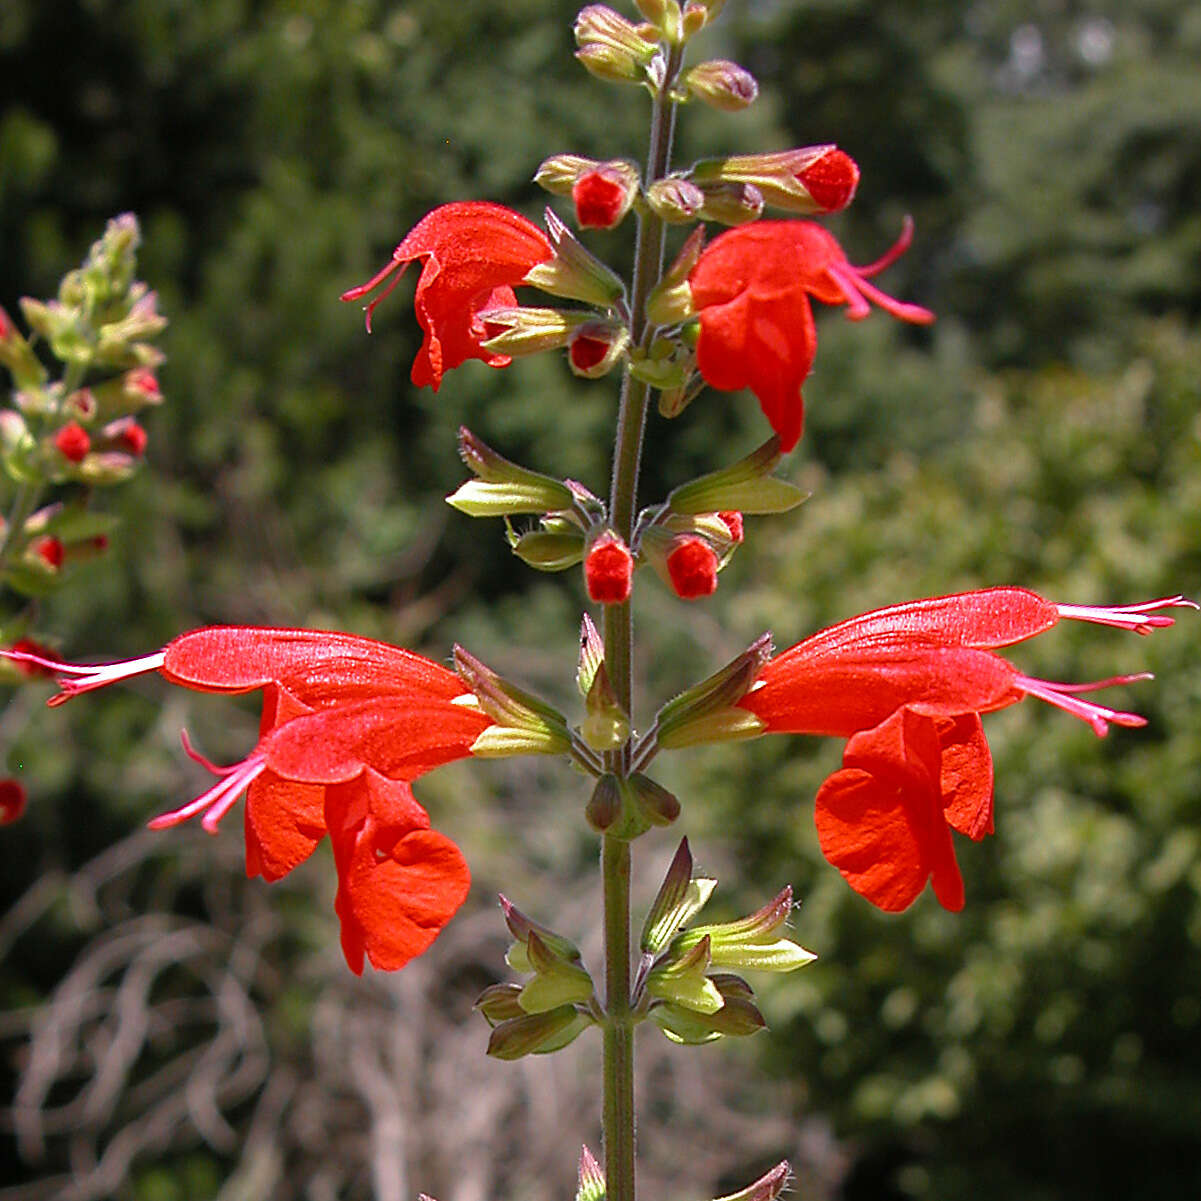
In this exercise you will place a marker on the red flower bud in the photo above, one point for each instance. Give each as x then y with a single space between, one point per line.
12 801
50 550
609 570
692 567
127 435
601 199
587 352
831 181
73 442
144 381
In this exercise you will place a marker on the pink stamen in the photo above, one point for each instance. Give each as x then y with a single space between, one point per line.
913 313
848 284
74 678
1063 696
374 281
891 255
217 801
1140 618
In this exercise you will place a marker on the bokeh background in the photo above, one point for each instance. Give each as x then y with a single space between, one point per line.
170 1032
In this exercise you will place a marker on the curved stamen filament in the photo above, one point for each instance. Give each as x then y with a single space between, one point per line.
1141 618
1064 696
893 253
217 801
74 678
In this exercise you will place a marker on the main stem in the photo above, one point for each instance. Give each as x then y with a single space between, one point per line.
618 1073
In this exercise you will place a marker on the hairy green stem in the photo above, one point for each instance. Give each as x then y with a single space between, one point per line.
618 1074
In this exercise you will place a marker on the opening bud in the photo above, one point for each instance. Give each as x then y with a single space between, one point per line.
706 712
525 329
558 174
721 84
72 442
692 567
751 942
537 1033
746 486
573 272
596 348
677 200
810 179
612 48
603 195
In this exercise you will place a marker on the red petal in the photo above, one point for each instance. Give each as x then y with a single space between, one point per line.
398 883
318 667
397 737
966 779
284 822
879 819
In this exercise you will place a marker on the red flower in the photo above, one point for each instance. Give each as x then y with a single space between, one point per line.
50 550
347 724
609 570
906 685
751 287
73 442
473 253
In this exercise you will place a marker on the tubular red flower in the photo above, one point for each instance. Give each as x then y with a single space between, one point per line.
601 199
751 286
473 253
907 685
347 724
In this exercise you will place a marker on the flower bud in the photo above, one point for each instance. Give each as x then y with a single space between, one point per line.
605 804
609 570
537 1033
679 900
72 442
812 179
747 486
597 25
558 174
106 468
557 981
702 12
609 63
548 550
675 199
596 348
127 435
738 1016
692 568
48 551
767 1188
731 202
524 725
498 1003
17 355
663 364
12 801
603 195
573 272
591 1183
606 726
721 84
503 488
681 979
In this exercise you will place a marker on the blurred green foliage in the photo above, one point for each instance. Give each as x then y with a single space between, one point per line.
1042 1044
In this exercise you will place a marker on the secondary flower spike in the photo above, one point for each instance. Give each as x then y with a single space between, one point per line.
907 685
752 285
472 255
347 724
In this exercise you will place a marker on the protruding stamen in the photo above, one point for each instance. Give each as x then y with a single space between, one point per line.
74 678
893 253
397 265
218 800
1140 618
1064 696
